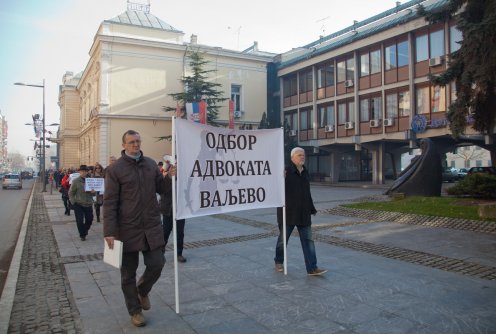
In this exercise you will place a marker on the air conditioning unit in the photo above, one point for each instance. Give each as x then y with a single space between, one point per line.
348 83
388 122
329 128
375 123
436 61
349 125
292 133
238 114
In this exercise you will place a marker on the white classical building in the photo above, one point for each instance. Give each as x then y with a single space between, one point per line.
136 61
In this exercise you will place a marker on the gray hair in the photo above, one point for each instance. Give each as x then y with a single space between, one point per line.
296 150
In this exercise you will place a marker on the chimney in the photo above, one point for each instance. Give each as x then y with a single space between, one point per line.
255 46
193 39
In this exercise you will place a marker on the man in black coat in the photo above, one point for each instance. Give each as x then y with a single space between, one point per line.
299 207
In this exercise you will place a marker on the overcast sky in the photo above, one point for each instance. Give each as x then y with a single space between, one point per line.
42 39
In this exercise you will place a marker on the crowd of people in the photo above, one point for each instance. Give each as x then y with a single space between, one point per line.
143 221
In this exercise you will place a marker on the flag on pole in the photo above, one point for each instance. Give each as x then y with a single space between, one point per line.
193 110
203 112
231 114
178 110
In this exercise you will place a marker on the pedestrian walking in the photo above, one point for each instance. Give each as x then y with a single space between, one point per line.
98 173
132 215
82 202
299 208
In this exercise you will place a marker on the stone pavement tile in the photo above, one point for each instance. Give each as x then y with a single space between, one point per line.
238 326
313 326
202 305
391 324
213 317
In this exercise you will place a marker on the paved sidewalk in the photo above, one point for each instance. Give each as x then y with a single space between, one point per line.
385 276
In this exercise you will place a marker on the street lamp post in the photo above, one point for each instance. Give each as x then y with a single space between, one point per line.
43 132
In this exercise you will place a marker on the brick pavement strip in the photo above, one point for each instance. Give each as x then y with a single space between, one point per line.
43 300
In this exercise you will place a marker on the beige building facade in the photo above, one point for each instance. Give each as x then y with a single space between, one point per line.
136 61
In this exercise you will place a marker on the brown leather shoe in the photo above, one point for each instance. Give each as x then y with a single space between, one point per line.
138 319
181 259
317 272
145 302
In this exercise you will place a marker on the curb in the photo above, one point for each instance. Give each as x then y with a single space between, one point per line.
8 294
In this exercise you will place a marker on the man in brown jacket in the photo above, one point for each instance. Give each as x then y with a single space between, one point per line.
132 215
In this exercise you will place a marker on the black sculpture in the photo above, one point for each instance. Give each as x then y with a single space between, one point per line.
423 176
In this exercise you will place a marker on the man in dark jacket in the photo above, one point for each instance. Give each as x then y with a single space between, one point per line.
299 207
132 215
82 202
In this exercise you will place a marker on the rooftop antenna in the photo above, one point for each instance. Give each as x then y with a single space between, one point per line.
323 27
238 32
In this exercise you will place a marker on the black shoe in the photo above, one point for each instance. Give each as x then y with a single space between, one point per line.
181 259
97 219
83 238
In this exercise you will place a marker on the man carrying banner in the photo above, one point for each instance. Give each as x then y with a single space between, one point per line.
299 208
132 215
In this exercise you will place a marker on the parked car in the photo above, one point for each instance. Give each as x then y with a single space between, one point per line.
487 170
462 172
449 175
11 180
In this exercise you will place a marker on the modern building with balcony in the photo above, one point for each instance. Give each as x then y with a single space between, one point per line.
359 98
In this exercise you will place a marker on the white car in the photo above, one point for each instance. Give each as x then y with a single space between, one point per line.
12 180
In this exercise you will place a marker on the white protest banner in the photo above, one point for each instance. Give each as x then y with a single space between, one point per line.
72 177
94 183
223 170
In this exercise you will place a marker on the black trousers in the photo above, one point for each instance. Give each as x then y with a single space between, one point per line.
154 262
167 224
84 218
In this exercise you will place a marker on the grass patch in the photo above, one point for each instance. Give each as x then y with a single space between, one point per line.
464 208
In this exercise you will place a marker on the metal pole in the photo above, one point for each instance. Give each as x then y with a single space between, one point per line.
43 148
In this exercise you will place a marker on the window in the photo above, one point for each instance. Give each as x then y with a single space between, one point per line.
341 71
370 63
390 61
342 113
325 75
364 65
306 119
364 110
402 53
289 85
397 104
404 103
326 115
306 83
391 105
291 120
422 95
429 45
236 97
438 98
436 42
455 38
370 108
396 55
350 68
421 48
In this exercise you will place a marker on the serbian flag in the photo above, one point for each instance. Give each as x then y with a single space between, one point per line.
231 114
197 111
193 110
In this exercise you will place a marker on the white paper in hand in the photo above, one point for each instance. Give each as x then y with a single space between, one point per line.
113 256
